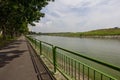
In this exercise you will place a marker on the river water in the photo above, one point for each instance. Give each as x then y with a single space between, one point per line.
104 50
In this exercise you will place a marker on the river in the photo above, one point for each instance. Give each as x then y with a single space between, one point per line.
105 50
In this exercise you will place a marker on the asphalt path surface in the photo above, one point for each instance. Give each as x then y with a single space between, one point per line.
16 62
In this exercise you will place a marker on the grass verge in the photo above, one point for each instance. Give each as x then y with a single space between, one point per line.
5 42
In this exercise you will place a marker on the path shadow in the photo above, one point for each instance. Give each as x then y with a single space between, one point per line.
18 42
9 47
12 44
7 56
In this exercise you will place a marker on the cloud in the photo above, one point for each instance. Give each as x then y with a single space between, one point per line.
79 15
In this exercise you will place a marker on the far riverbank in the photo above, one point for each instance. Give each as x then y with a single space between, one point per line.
111 33
107 37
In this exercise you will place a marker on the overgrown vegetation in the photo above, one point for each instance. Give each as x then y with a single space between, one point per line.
5 42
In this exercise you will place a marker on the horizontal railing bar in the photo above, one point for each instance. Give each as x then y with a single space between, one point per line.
94 60
45 42
66 57
90 67
91 59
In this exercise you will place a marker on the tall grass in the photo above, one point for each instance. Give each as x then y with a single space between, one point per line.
6 41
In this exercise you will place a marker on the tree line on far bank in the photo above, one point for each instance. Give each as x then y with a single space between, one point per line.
15 15
94 33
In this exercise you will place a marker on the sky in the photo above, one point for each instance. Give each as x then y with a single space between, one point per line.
79 16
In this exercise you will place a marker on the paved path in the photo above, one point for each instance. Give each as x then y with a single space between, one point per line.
15 62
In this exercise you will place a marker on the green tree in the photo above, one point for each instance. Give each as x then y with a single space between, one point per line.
15 15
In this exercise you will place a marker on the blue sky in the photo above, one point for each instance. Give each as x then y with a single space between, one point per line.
79 16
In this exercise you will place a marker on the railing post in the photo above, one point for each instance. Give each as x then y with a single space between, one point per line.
40 48
35 43
54 58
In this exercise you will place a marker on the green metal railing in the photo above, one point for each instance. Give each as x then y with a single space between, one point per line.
66 63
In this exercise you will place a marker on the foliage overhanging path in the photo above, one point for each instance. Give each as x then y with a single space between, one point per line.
15 15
